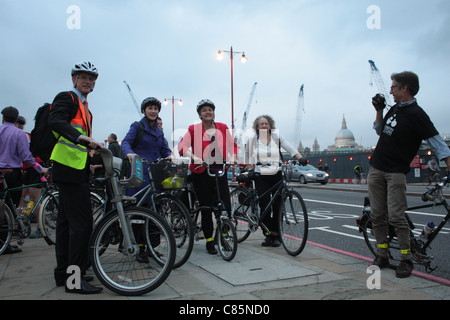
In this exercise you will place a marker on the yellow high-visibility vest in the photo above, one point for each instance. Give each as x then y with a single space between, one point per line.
69 153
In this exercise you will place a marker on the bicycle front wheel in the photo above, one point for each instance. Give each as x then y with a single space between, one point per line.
293 223
142 269
6 229
226 239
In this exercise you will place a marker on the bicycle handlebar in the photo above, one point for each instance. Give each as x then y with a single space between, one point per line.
157 161
302 162
107 158
431 194
208 169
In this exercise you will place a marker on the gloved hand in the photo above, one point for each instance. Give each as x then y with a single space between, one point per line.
302 161
379 102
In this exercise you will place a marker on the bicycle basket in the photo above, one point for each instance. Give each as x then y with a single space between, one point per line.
169 175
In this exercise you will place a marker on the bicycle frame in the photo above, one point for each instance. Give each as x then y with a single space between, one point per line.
255 198
23 228
281 187
128 236
148 191
219 206
442 202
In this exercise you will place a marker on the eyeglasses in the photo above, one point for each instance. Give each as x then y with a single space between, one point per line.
87 78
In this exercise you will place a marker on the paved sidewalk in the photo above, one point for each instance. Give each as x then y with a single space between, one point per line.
256 273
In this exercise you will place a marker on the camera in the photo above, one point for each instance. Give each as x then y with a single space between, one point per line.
379 102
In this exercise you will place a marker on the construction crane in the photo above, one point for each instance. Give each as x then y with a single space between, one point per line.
134 99
244 119
375 74
298 118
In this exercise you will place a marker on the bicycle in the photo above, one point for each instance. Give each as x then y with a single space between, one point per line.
165 177
125 232
16 224
419 244
435 178
361 179
293 217
225 232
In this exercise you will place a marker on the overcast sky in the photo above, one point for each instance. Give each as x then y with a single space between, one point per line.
167 48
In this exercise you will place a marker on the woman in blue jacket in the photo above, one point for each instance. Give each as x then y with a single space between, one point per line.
150 145
147 140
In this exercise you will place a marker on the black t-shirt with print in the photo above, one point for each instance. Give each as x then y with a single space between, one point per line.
403 129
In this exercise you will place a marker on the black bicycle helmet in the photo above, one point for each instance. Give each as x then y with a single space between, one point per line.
205 102
150 101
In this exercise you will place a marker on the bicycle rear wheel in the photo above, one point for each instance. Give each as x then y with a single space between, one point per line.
177 215
48 214
117 268
366 228
226 239
293 223
6 229
241 209
98 207
393 244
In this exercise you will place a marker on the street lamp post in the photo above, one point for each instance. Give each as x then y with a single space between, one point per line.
180 102
243 60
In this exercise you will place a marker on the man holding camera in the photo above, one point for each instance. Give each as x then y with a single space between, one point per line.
401 131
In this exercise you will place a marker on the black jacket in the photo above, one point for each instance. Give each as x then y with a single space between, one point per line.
63 111
116 150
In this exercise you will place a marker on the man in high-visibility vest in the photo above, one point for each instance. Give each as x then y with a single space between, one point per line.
71 119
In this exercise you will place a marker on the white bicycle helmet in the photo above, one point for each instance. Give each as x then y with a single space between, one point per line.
205 102
86 67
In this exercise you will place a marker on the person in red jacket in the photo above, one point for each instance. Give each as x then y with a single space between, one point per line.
210 142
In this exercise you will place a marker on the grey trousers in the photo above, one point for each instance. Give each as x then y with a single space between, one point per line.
387 194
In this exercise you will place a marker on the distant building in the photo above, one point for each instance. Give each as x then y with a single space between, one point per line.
316 146
344 140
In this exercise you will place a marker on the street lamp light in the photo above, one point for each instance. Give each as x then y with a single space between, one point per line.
180 102
243 59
